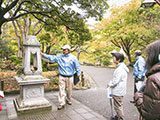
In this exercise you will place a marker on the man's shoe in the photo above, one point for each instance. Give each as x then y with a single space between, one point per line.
116 117
132 102
69 102
60 107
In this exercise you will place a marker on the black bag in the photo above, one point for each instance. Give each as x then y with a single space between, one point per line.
76 79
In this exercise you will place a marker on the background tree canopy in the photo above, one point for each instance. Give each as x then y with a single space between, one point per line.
53 12
131 27
58 22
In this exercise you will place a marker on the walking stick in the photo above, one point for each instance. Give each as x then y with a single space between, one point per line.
110 99
112 116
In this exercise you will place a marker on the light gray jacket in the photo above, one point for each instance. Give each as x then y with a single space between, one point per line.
119 80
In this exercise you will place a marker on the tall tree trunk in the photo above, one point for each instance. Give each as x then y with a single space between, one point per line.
22 31
27 25
0 29
34 29
129 57
19 54
79 52
127 51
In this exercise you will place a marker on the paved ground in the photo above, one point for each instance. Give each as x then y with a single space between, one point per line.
91 104
76 111
96 97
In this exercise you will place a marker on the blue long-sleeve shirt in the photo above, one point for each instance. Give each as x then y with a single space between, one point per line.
67 64
139 68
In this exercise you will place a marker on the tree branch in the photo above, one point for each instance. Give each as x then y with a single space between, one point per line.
27 12
8 8
131 42
115 43
1 1
158 2
27 25
34 29
16 11
19 26
123 42
46 14
38 31
86 51
17 34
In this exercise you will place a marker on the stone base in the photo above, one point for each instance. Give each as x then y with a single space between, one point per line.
31 96
31 105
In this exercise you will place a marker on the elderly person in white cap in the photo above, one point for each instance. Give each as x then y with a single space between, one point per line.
139 70
67 65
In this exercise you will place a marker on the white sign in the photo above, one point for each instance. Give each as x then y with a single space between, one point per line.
1 94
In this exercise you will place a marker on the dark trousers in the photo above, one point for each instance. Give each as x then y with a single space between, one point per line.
135 89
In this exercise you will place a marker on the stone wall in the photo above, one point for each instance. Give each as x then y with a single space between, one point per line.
10 84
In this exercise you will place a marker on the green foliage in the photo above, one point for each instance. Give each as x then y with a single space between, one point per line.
54 80
46 38
5 50
55 51
150 18
63 21
16 60
131 27
8 59
61 13
53 67
44 69
20 70
6 65
49 66
103 56
80 37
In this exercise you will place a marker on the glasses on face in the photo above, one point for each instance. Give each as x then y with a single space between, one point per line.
65 49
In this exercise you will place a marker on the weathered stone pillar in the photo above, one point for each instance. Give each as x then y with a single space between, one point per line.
31 83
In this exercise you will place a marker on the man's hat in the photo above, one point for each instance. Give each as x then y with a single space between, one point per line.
138 52
66 47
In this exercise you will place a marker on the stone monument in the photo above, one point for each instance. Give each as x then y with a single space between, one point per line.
31 83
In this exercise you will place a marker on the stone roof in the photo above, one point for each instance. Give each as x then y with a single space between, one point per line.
31 41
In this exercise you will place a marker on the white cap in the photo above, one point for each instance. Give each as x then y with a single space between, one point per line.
138 52
66 47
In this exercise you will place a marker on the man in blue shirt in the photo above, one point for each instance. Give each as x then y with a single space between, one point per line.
139 70
67 64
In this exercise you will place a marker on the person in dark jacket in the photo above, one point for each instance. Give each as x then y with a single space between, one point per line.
147 101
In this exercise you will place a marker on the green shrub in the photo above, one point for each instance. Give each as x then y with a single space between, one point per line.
16 60
54 80
20 70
